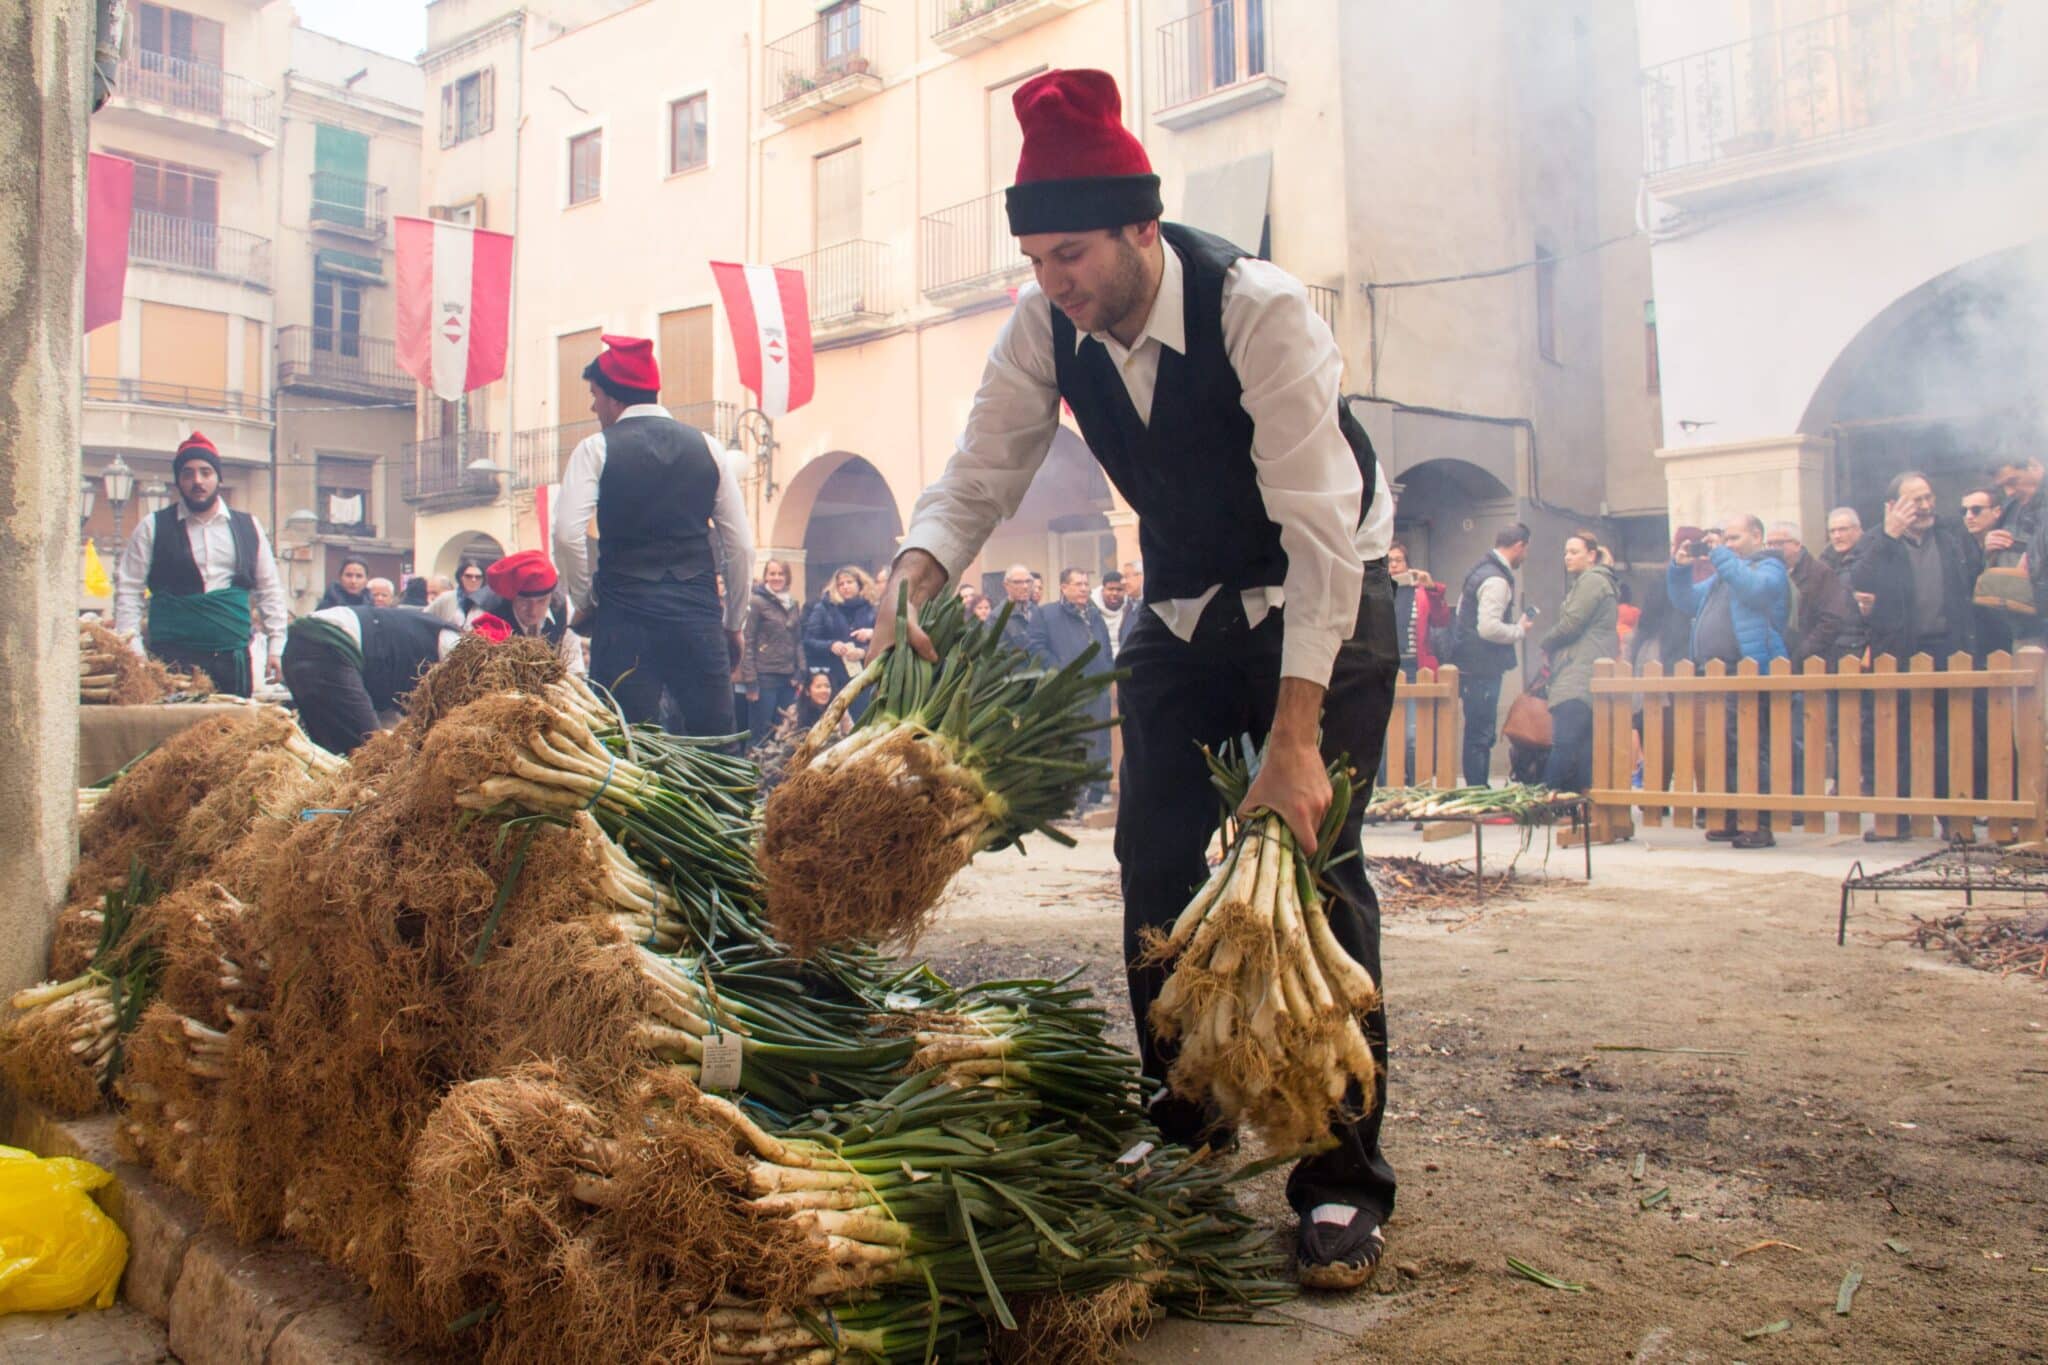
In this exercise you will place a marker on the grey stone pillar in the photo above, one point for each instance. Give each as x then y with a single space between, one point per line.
46 48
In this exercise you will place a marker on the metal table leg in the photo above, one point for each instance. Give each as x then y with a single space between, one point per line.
1479 856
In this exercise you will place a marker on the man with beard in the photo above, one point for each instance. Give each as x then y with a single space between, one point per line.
205 565
1208 389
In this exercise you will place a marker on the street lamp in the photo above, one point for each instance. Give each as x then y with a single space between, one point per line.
155 497
119 482
88 495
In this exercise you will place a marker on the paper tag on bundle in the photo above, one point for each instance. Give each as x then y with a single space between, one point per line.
1135 1155
721 1069
900 1002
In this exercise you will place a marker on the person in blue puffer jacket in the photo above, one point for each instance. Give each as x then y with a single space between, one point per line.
1739 613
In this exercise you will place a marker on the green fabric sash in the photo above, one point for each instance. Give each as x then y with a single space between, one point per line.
314 631
205 623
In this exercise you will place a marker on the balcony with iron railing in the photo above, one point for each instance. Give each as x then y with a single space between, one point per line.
1324 300
847 285
149 393
198 96
348 206
968 250
438 470
1867 78
1214 62
541 454
159 239
970 25
823 66
341 364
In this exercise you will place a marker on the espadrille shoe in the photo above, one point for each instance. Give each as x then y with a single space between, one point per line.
1339 1248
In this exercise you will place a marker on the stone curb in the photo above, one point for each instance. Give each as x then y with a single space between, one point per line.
223 1303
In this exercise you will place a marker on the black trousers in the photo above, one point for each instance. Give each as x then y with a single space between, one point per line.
335 709
1570 765
637 656
229 669
1481 698
1182 695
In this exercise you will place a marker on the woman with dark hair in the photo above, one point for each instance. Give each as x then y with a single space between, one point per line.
469 584
350 588
811 702
839 626
415 594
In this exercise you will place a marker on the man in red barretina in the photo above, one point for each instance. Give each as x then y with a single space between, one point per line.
1208 389
670 520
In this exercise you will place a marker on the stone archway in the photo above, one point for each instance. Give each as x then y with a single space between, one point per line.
837 510
1447 512
1941 380
466 546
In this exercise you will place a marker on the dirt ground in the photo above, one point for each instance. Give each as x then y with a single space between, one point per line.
1878 1108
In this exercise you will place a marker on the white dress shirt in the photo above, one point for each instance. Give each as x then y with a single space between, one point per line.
733 539
212 539
1288 366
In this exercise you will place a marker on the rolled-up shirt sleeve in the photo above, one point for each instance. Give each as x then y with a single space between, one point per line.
1290 369
1010 428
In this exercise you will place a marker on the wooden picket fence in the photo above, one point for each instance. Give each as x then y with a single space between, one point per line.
1433 701
1686 715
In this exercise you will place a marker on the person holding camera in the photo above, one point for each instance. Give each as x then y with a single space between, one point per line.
1739 613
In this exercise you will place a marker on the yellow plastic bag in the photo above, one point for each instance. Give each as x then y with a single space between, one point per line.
57 1249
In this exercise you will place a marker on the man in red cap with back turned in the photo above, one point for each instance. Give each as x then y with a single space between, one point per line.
205 565
670 519
1207 387
520 589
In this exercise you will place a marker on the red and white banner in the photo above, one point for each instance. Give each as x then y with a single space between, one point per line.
109 205
771 331
454 297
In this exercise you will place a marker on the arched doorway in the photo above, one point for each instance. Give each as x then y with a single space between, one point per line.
471 546
1447 512
1943 380
852 519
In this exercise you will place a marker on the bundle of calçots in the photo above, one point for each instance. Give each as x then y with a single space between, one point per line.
492 1018
949 760
1263 1001
1522 802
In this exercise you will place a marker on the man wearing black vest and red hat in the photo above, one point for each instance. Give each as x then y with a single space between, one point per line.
205 566
1207 387
670 519
346 664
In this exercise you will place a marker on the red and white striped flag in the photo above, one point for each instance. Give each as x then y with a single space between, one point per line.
454 297
771 332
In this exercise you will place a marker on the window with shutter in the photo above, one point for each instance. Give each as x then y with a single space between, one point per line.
686 357
448 115
586 166
487 99
838 196
688 143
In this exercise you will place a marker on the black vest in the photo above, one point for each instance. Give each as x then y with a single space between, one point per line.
1476 654
654 501
1189 473
172 570
399 643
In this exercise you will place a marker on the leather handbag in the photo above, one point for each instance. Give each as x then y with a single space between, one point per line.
1528 722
